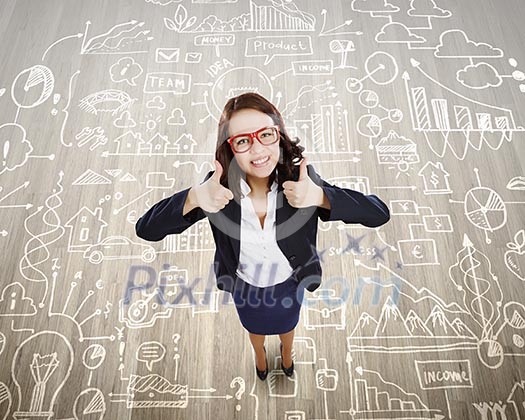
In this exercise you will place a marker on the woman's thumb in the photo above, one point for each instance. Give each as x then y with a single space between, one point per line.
218 170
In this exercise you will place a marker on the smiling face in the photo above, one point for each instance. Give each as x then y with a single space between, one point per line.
248 121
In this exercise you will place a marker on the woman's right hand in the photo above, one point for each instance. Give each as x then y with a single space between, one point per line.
211 195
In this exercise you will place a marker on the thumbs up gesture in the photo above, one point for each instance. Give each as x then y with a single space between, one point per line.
211 195
304 192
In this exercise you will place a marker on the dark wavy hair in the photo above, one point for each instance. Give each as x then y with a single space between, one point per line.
290 150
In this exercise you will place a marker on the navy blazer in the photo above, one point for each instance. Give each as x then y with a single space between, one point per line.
296 228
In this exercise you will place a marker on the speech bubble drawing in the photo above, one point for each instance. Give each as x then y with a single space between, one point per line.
271 46
150 352
125 70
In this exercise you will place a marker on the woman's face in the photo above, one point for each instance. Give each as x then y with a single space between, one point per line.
248 121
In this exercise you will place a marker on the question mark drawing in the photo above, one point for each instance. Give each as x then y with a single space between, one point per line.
242 387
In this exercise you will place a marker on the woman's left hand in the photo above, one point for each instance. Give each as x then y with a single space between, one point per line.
304 192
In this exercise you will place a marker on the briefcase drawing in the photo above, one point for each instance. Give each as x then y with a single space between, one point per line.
325 310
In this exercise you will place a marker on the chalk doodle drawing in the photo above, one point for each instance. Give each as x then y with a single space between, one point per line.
109 108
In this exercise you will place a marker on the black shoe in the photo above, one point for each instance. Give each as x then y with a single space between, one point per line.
289 370
262 374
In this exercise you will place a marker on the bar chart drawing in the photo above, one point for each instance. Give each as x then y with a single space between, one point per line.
455 121
280 16
373 395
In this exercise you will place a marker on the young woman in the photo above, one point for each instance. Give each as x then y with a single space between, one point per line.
258 181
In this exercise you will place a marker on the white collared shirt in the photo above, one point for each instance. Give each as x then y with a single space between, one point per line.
261 261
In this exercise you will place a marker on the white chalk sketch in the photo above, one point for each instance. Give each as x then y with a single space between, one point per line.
473 124
113 247
109 100
374 7
167 55
435 178
154 390
90 401
325 310
6 401
263 15
142 312
125 70
123 38
428 9
14 301
485 208
510 407
94 137
475 323
125 120
343 47
105 114
337 30
47 359
150 352
398 33
374 395
15 146
515 254
278 46
397 151
380 67
32 86
225 87
193 57
162 2
476 75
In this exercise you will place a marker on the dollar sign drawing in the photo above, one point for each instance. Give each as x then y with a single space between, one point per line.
434 179
108 309
438 223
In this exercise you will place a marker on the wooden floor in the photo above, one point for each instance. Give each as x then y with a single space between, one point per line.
110 106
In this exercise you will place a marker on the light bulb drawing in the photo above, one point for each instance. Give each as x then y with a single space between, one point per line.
43 362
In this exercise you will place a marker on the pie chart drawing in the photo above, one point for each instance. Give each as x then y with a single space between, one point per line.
32 86
369 99
485 209
370 126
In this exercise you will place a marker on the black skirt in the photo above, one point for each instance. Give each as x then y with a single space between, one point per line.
268 310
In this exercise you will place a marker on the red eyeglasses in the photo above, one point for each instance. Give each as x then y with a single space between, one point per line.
241 143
